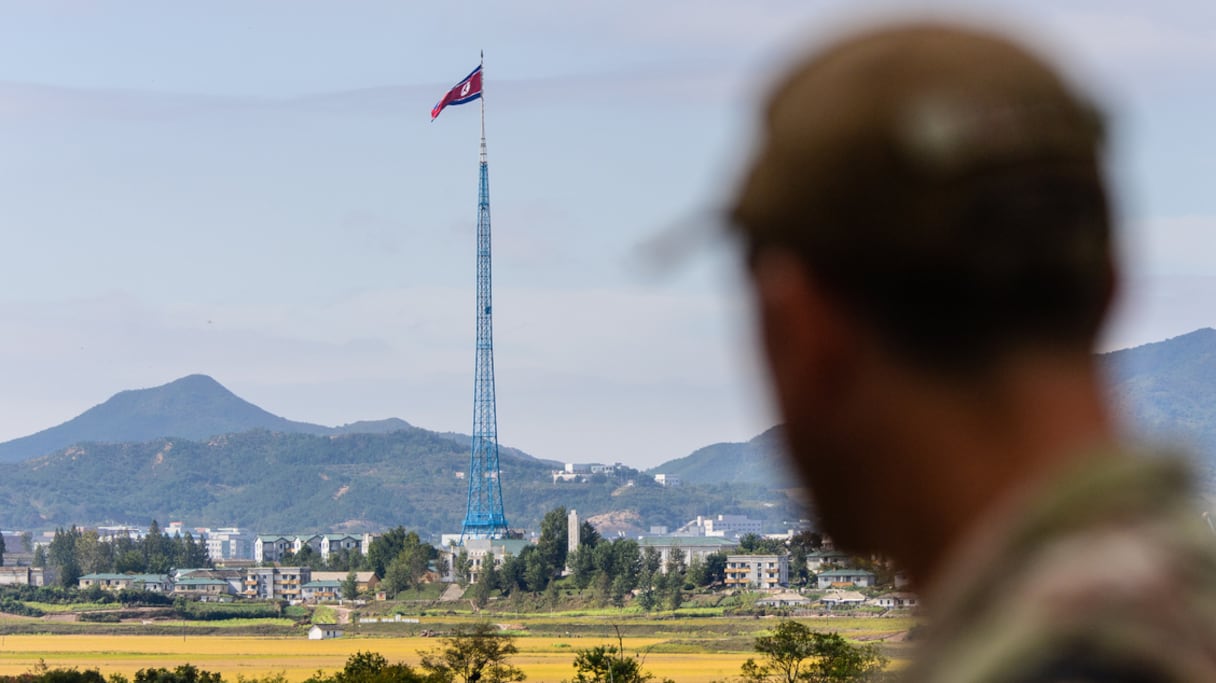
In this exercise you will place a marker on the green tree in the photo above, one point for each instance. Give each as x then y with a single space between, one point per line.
369 667
461 566
714 569
511 573
582 566
487 582
385 549
157 551
307 557
397 577
672 584
607 664
1 549
92 554
610 664
755 544
61 554
405 569
793 652
186 673
553 595
588 536
350 586
191 553
619 589
552 546
648 578
472 654
345 559
802 544
129 561
537 572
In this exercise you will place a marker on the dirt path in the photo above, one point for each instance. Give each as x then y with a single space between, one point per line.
452 593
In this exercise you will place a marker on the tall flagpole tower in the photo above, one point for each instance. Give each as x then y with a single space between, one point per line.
483 517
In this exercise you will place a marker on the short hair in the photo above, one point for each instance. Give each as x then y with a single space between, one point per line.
945 186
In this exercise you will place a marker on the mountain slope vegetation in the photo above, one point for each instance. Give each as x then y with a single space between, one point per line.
759 461
278 482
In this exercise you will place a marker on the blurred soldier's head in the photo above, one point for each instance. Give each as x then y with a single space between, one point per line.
926 214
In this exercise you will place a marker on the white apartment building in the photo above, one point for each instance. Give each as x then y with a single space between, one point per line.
764 572
229 543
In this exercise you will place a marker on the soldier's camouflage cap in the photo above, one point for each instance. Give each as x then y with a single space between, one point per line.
917 160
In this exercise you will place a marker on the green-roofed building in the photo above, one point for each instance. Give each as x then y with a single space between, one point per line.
690 547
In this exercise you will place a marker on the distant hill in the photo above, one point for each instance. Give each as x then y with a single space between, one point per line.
759 461
193 407
276 482
191 450
1167 390
392 424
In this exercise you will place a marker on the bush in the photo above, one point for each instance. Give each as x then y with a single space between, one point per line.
44 675
10 606
185 673
100 617
129 597
202 611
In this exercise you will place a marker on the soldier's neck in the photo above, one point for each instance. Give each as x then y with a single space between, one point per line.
996 442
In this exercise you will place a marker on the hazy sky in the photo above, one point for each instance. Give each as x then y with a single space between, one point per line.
253 190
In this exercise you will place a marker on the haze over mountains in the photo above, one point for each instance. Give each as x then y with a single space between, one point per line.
191 449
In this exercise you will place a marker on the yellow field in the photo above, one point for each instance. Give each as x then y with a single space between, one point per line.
543 659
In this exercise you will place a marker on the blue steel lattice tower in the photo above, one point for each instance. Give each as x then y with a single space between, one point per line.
483 517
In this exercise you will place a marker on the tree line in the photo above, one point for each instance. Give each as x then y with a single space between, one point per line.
399 558
74 552
615 569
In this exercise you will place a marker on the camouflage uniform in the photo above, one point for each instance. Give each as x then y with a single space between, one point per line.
1108 574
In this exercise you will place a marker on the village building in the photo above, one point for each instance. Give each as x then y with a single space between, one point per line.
324 632
269 583
201 588
763 572
839 598
321 591
784 599
481 551
26 576
687 547
897 600
228 543
271 548
844 577
364 581
155 583
821 560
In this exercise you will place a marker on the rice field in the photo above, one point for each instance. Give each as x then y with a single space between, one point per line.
685 648
542 658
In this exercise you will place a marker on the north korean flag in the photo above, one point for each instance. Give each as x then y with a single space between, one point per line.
464 92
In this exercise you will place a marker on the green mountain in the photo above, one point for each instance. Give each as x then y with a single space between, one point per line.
284 482
191 450
1167 390
193 407
759 461
152 453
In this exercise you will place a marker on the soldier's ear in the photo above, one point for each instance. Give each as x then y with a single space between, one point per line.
808 340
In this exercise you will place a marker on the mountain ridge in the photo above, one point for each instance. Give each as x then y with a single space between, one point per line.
760 460
192 407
